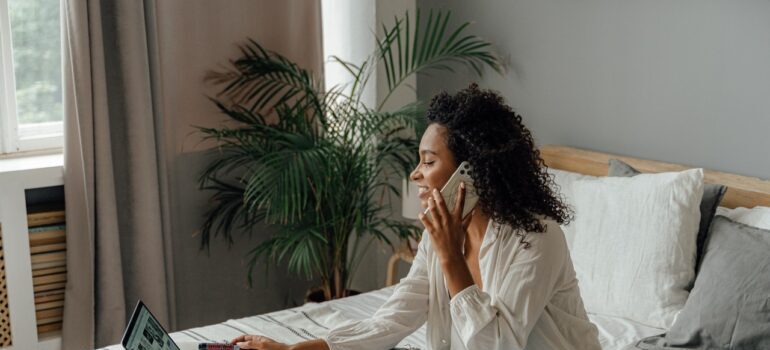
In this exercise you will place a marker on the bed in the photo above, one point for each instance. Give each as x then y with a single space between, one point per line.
313 320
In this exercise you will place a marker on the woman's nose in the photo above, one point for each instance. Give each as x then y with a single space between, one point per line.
415 175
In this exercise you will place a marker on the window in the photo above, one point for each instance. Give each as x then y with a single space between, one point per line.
31 110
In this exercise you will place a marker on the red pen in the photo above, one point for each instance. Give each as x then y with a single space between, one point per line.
217 346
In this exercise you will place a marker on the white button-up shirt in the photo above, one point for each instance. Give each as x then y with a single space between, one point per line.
530 299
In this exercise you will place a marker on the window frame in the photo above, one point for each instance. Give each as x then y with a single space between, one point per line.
15 137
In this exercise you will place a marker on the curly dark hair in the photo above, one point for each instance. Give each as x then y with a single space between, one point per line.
509 175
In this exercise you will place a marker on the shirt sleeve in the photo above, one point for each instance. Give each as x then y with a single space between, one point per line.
404 312
527 287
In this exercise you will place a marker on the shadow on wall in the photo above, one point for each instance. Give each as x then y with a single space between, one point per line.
212 287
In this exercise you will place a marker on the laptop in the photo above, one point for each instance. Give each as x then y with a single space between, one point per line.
144 332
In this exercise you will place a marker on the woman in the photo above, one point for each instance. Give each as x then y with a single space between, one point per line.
501 278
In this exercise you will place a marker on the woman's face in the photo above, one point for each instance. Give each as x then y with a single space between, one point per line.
437 163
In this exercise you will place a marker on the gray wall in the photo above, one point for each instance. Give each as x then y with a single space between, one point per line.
684 81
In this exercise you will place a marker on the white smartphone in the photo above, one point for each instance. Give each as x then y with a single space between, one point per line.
464 173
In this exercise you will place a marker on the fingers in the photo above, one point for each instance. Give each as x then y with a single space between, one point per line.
427 221
438 201
262 339
252 345
252 342
240 338
247 345
467 219
435 214
459 201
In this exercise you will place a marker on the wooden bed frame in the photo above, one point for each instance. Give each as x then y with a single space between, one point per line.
742 191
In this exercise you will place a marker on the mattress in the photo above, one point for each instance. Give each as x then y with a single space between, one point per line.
313 320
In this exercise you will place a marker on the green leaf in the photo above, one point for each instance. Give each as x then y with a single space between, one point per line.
425 53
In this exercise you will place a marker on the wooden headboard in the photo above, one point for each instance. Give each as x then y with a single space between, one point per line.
743 191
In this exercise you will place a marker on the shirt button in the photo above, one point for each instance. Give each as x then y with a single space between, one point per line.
443 341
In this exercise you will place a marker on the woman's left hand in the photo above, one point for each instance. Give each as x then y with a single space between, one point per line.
258 342
446 229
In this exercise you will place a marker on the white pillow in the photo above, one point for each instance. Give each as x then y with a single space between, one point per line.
565 180
758 216
634 248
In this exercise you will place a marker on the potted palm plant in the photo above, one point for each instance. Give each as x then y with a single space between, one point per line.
315 163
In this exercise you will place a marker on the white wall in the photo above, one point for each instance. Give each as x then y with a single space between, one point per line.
349 28
347 34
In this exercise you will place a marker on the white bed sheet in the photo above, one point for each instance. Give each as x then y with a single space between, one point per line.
314 320
616 333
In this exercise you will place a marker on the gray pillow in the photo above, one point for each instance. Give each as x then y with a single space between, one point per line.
729 306
712 195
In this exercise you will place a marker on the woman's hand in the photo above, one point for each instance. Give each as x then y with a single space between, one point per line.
446 229
258 342
265 343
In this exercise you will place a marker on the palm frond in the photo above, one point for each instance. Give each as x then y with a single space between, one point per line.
261 77
227 213
281 183
301 245
430 46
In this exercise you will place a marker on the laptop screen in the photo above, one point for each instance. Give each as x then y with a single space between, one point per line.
144 332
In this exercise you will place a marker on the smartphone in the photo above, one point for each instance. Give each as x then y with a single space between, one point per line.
464 173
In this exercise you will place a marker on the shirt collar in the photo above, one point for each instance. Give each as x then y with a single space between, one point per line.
493 229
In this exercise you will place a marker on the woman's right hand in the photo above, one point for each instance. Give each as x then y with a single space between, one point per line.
265 343
258 342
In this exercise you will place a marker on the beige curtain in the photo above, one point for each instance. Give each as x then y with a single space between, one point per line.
133 89
115 178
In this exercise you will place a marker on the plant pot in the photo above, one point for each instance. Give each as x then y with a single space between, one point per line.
316 295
